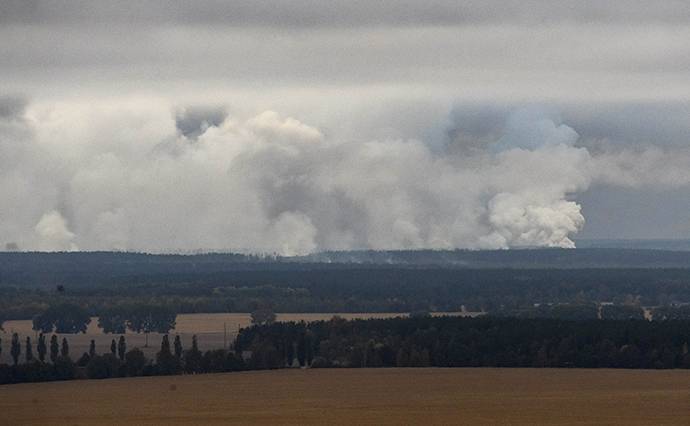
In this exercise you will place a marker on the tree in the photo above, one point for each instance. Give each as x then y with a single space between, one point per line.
166 362
151 318
41 347
113 347
265 355
290 347
64 350
54 348
63 318
165 346
135 361
16 349
420 314
29 353
402 358
214 361
263 316
121 348
622 312
64 368
92 348
84 360
178 347
192 358
309 337
370 355
302 349
103 367
113 320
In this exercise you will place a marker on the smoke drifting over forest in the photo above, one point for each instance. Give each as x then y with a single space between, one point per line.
167 178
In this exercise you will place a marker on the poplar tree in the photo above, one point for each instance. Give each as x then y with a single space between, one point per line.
64 351
41 347
192 357
166 362
54 349
16 348
178 347
165 347
29 354
121 348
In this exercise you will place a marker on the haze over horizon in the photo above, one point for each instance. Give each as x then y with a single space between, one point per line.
300 126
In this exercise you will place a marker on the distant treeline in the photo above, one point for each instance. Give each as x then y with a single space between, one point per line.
419 341
107 268
363 289
631 256
470 342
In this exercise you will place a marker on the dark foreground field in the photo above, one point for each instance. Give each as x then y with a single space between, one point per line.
361 396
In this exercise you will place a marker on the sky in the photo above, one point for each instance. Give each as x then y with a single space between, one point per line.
298 126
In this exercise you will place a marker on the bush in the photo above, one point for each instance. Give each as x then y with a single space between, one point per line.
103 367
64 368
320 362
135 362
83 361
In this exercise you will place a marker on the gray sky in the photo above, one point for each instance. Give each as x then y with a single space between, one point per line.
88 85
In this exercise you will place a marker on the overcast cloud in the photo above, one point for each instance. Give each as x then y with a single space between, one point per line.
294 126
354 13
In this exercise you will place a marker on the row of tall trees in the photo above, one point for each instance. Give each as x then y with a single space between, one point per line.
41 348
118 362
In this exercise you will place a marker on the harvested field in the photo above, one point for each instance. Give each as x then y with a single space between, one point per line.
209 328
362 396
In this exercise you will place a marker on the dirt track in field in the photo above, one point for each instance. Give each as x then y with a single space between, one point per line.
361 396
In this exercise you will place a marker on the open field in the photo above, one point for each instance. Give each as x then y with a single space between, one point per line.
361 396
209 328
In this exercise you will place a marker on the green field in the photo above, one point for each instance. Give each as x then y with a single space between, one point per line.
361 396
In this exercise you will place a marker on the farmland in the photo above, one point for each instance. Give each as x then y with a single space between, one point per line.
361 396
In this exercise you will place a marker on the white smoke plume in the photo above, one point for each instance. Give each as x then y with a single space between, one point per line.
53 234
651 166
142 178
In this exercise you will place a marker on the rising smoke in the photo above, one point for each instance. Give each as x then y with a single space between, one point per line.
147 180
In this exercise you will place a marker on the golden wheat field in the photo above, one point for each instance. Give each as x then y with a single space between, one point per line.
362 397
